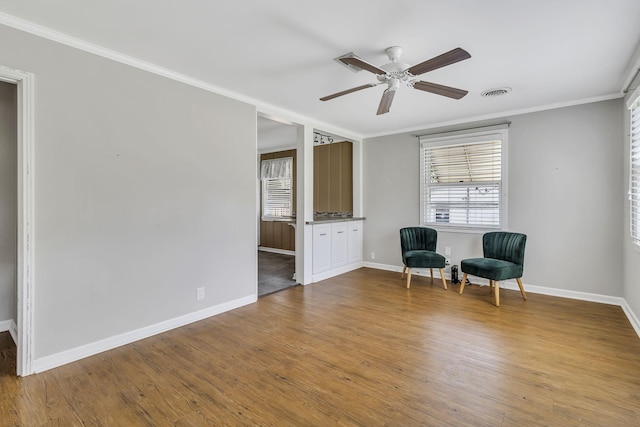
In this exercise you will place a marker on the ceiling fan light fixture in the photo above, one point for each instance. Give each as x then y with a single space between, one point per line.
393 83
395 73
491 93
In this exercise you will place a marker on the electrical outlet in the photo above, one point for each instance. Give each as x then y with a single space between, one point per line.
447 261
373 255
200 294
447 250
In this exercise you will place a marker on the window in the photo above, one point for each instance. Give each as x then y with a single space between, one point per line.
277 187
463 180
634 169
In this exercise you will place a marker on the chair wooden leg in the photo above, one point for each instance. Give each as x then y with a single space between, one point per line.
464 280
409 278
431 273
404 268
444 281
524 295
490 286
496 286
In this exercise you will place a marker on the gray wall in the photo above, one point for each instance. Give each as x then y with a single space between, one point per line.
144 191
631 252
565 191
8 200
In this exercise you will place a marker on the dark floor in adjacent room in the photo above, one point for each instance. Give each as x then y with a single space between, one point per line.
275 272
7 357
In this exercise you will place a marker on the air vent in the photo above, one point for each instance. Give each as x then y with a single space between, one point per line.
496 92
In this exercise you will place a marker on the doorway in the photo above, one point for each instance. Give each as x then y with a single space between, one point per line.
22 83
276 202
8 222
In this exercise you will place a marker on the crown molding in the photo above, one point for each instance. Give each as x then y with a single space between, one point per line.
265 108
498 115
74 42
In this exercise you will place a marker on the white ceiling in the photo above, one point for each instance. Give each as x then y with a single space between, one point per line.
280 53
274 136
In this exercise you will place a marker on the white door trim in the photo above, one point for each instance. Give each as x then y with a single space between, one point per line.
25 255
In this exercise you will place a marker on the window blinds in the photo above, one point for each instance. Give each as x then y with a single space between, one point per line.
462 183
277 188
276 197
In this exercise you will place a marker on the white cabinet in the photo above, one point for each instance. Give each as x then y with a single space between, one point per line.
321 248
337 248
338 244
354 241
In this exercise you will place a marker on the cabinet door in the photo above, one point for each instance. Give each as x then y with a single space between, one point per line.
335 177
354 241
324 174
346 195
316 178
321 248
338 244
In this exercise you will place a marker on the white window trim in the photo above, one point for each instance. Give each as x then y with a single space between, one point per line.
468 137
632 101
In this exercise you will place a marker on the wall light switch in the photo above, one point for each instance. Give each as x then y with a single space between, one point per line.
447 250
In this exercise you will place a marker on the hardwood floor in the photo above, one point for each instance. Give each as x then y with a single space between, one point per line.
358 349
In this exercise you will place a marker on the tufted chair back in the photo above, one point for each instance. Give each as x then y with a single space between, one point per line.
418 239
505 246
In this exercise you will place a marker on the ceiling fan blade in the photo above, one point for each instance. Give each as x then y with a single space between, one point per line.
448 58
451 92
345 92
360 63
385 102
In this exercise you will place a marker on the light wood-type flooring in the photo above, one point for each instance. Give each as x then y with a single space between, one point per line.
358 349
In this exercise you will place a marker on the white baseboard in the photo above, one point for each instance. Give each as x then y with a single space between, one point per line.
5 325
633 319
336 271
512 285
415 271
72 355
276 251
68 356
13 331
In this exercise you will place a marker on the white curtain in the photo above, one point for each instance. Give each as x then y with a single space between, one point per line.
277 168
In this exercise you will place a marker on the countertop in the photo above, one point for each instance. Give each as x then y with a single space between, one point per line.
316 219
325 219
278 218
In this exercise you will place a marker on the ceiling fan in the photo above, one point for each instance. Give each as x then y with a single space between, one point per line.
395 73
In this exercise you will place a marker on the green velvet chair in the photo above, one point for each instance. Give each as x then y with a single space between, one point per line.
503 260
418 251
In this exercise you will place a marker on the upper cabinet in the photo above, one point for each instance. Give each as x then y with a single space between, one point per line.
333 177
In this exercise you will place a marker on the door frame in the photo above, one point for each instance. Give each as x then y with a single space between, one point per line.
25 227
